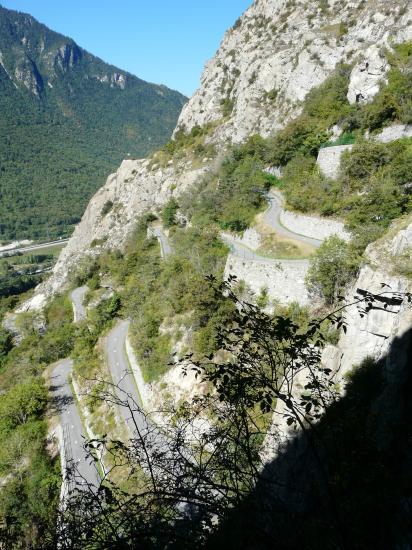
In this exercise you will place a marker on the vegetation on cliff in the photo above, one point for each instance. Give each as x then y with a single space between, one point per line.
249 359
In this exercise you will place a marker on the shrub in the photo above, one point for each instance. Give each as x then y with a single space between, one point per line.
169 213
226 106
394 100
6 343
332 268
23 402
364 159
108 205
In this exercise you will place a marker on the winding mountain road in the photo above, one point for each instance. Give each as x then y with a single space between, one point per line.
122 376
272 218
137 422
77 297
75 457
165 248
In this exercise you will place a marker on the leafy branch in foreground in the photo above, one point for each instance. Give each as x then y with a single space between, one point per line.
187 472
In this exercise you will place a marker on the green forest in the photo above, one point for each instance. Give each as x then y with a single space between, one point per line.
60 139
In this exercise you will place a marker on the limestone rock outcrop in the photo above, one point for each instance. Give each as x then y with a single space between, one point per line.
134 189
370 334
266 64
279 50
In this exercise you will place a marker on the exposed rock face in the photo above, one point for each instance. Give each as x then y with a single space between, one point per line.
132 190
27 73
276 53
372 334
377 335
266 64
402 243
367 76
67 56
396 131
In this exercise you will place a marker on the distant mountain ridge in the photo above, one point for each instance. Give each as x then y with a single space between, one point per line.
66 120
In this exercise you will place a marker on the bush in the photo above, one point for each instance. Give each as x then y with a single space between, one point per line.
6 343
332 268
169 213
108 205
364 159
22 403
394 100
227 105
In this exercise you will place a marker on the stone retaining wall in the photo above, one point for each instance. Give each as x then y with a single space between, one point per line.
283 279
312 226
329 159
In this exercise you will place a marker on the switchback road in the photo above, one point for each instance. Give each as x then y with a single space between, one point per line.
77 297
74 454
272 218
165 248
122 376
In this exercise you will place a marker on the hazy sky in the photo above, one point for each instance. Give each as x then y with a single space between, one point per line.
162 41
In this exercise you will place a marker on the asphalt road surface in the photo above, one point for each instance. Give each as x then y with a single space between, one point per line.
77 297
127 392
242 251
272 218
122 377
76 458
165 248
33 247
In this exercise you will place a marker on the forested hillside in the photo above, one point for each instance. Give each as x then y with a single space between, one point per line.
66 120
221 355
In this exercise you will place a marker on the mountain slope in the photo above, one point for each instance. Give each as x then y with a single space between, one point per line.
281 49
67 119
142 185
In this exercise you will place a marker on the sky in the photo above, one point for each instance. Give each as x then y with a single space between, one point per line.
161 41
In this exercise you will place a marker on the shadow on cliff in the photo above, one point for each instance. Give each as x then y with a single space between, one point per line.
353 488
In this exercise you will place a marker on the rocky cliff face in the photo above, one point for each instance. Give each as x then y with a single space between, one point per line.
266 64
128 193
279 50
34 56
371 335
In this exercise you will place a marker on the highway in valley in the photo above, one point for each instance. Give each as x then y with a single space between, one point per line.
34 247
